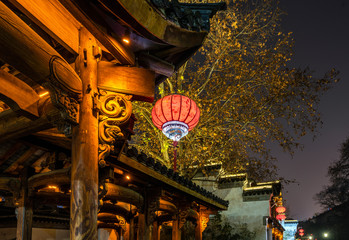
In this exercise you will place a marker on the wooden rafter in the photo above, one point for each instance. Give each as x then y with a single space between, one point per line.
18 95
54 19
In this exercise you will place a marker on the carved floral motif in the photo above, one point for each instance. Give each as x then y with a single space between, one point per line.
183 213
115 110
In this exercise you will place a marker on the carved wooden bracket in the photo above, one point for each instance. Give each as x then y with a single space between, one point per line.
69 109
203 221
115 109
66 98
183 213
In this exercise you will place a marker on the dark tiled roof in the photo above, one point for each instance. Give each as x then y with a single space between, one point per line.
194 17
169 173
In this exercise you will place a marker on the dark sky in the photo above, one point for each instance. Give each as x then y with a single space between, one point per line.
321 32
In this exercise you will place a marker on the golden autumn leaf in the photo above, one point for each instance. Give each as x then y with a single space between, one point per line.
247 96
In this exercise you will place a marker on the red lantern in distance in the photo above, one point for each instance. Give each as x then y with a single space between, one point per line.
280 209
301 234
175 115
281 216
301 230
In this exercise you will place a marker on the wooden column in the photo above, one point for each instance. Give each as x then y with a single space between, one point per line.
24 210
132 229
144 231
155 234
198 229
176 233
84 170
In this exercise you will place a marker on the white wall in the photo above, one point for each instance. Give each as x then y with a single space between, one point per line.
250 212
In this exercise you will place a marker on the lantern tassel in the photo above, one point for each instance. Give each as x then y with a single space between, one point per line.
175 143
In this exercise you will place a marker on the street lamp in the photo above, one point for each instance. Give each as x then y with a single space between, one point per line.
326 235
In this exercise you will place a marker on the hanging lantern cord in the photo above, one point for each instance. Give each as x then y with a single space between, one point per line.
175 144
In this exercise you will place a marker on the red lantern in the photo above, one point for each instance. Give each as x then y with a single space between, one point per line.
280 209
301 234
301 230
281 216
175 115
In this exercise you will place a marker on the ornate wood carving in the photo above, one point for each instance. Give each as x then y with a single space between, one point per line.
63 96
203 221
69 109
183 213
115 110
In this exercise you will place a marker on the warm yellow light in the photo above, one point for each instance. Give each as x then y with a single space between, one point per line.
125 40
52 187
128 177
325 235
43 94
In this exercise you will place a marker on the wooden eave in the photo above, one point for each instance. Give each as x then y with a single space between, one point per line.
146 20
141 170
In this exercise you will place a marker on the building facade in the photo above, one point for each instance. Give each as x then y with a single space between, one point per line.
250 203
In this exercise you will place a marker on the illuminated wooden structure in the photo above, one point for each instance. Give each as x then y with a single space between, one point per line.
69 71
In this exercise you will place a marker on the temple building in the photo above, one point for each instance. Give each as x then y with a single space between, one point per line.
69 72
253 204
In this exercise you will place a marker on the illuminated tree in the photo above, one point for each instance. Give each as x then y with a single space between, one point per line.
247 96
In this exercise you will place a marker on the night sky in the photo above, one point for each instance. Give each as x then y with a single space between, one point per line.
321 32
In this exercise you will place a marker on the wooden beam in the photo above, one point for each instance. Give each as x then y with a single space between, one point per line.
138 82
122 194
21 160
51 136
54 19
116 49
14 127
156 64
9 184
61 176
18 95
25 50
13 149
